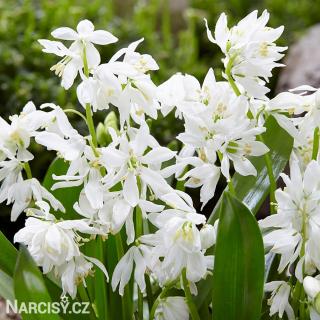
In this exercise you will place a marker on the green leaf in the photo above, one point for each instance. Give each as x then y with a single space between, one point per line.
67 196
100 284
6 287
238 275
8 255
254 190
29 285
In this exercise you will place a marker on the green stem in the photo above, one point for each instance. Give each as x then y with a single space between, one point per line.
190 303
27 169
230 78
231 188
83 293
149 291
158 300
76 112
89 118
91 125
315 148
139 232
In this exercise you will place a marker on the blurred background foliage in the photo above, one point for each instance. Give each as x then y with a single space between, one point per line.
174 34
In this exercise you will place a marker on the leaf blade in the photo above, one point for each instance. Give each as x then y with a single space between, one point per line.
8 255
238 275
29 285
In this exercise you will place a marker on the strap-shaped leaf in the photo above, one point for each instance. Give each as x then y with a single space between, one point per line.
8 255
6 287
29 285
238 275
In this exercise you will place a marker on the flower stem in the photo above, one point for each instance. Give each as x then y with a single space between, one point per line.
27 169
91 125
76 112
190 303
156 303
139 232
230 78
315 148
89 118
149 291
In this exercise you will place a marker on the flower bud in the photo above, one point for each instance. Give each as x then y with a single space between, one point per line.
111 120
102 135
311 287
207 236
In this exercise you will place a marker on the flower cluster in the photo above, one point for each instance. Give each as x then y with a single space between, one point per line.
124 175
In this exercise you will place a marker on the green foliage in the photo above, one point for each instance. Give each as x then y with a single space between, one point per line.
29 285
8 255
238 275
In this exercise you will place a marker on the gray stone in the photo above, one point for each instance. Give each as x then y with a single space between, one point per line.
302 62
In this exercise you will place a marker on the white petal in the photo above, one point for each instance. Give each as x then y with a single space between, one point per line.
64 33
131 190
102 37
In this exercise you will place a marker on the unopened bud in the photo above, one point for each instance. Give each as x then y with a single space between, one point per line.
311 287
102 135
111 120
207 236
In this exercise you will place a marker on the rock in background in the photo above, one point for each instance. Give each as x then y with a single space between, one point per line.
302 62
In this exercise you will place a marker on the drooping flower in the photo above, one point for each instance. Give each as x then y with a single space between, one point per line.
279 300
23 192
172 308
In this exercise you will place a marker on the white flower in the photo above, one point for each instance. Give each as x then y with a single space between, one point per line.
178 244
138 95
71 63
59 135
82 49
16 136
85 33
279 299
74 272
84 170
311 286
101 89
126 160
122 272
10 173
249 49
115 213
223 129
297 221
23 192
208 235
172 308
312 289
51 243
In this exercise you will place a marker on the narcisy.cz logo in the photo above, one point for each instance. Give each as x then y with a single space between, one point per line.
64 306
